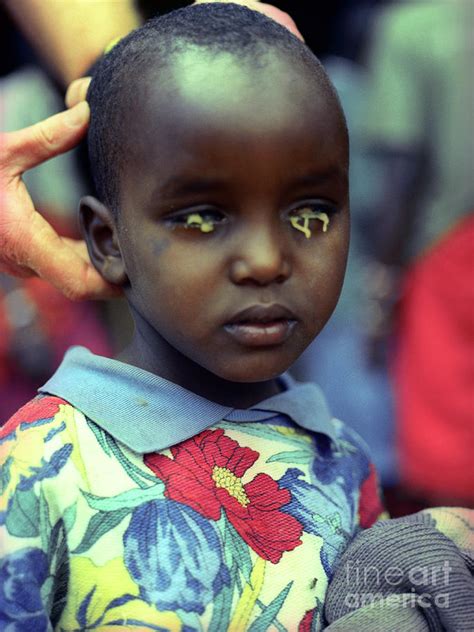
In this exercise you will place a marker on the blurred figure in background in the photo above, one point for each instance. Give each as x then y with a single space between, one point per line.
419 126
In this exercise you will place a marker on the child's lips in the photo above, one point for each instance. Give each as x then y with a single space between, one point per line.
257 334
261 325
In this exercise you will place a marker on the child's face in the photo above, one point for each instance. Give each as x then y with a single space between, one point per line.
222 157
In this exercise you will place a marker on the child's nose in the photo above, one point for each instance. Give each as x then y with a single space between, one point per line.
260 258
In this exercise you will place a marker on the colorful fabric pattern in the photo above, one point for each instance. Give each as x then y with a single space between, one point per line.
211 534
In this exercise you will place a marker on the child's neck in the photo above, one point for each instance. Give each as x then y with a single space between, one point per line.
195 378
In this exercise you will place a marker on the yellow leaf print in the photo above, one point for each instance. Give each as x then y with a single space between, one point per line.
248 598
110 581
69 415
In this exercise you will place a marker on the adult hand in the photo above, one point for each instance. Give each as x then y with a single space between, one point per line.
28 244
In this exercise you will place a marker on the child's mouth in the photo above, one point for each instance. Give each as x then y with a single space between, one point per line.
257 334
261 325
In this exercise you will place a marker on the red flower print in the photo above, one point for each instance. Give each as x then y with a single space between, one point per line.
37 408
306 621
206 473
370 505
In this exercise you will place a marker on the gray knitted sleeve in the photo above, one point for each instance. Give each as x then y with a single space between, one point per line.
411 574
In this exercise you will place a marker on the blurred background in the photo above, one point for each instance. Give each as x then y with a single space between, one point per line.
396 360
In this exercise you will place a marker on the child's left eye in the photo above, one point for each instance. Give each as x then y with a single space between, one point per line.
205 221
302 217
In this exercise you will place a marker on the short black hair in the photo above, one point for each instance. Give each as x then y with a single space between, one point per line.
217 27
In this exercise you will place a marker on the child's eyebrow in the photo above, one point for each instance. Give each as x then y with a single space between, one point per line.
192 185
179 185
315 178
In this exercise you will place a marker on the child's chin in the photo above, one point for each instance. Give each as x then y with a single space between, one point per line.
243 373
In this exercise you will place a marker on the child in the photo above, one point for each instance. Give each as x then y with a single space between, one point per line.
192 484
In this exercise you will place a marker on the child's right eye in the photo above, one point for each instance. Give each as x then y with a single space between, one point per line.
204 221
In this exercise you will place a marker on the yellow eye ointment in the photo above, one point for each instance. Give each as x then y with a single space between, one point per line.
196 221
306 217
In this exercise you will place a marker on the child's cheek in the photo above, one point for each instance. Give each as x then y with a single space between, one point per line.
158 246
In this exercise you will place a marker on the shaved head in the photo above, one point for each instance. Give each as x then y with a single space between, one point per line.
188 53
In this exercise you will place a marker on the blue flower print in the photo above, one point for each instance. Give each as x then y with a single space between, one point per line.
46 469
22 574
174 555
322 512
349 463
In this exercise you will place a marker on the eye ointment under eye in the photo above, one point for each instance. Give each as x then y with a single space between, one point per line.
306 217
196 221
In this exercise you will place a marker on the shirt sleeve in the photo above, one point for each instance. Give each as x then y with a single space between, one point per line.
30 558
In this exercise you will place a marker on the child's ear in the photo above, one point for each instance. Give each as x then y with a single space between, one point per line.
99 229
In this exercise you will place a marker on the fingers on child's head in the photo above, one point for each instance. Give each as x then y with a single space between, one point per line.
281 17
77 91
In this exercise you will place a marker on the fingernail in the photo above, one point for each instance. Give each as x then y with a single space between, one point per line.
78 115
77 91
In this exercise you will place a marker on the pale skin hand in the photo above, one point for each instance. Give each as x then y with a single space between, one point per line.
29 246
69 35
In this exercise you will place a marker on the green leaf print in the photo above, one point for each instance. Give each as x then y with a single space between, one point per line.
239 550
58 556
268 615
294 456
69 517
5 475
100 435
44 521
22 515
100 524
317 622
221 611
126 500
248 597
110 447
271 433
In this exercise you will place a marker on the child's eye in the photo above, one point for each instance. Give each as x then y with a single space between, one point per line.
204 221
307 218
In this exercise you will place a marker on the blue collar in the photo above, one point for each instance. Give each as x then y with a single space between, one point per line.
148 413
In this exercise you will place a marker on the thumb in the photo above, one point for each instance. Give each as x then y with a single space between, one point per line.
33 145
77 91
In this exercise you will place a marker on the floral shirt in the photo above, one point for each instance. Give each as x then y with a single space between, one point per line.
236 527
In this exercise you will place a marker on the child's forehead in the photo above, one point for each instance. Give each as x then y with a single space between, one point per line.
255 92
272 130
196 69
202 75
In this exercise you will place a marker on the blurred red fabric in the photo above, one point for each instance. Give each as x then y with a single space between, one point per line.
434 370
